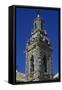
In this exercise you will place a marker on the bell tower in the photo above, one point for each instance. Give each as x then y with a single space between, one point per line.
38 53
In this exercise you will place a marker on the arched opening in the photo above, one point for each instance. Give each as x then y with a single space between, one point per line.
35 26
32 64
45 63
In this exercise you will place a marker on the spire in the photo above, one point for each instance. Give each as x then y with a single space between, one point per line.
38 17
38 23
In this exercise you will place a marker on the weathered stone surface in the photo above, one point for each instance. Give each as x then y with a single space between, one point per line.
38 47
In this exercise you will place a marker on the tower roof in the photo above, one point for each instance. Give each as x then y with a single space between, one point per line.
38 23
38 17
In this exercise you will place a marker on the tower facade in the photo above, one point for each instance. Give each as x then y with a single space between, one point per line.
38 53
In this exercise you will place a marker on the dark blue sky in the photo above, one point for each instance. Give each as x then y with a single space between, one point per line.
24 25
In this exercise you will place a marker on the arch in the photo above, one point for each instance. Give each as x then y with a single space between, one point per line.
35 25
45 63
32 64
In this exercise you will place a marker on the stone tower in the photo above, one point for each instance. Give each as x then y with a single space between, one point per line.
38 53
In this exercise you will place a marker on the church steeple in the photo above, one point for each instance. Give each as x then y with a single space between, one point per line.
38 23
38 53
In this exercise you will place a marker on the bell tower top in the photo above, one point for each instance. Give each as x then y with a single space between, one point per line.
38 23
38 33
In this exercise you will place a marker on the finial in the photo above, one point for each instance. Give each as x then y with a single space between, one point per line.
38 15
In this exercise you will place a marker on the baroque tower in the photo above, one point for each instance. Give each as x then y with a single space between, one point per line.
38 53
